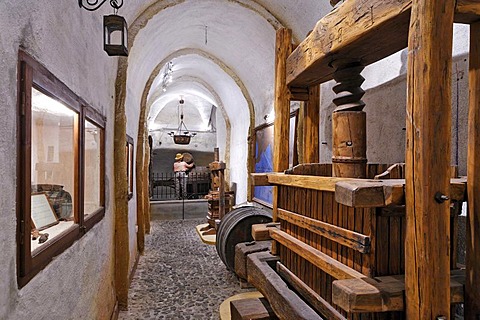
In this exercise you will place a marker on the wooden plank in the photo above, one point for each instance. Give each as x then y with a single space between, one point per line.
380 193
313 298
340 235
368 194
368 30
260 231
472 299
428 159
259 179
311 129
283 300
251 309
307 182
383 294
311 169
242 250
318 258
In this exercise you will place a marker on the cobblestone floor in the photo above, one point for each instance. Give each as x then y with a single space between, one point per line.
179 277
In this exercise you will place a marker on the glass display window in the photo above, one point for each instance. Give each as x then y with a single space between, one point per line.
60 188
93 170
54 154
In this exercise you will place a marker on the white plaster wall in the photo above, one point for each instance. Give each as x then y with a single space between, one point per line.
221 134
77 284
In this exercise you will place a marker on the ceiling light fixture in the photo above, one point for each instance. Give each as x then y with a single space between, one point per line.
167 77
182 136
115 35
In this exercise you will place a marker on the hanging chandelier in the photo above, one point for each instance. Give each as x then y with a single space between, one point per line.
182 135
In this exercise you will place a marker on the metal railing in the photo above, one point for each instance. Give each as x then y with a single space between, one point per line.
163 186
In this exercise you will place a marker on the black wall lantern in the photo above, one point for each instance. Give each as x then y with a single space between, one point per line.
114 27
115 35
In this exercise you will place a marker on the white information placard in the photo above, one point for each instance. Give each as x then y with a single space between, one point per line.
42 212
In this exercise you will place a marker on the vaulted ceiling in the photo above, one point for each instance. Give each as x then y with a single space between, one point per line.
222 53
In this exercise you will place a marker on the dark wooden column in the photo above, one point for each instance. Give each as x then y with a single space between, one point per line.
472 286
427 253
311 150
283 48
140 176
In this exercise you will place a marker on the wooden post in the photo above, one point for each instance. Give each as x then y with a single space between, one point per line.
427 245
140 173
283 48
146 193
472 286
311 126
221 187
282 101
122 251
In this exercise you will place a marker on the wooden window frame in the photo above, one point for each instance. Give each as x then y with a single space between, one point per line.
130 165
31 74
292 149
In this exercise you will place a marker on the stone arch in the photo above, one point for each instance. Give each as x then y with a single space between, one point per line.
120 186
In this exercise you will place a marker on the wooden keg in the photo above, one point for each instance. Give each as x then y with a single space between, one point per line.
187 157
236 227
349 151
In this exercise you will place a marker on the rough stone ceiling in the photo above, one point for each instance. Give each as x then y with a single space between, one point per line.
231 65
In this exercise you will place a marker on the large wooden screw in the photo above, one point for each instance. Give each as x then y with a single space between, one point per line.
349 151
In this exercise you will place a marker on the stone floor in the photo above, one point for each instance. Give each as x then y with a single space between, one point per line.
179 277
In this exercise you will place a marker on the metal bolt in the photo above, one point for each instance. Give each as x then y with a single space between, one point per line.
440 197
441 318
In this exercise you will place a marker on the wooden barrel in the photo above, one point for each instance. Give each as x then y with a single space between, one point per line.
236 227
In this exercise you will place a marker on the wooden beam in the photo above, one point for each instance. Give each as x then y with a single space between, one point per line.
283 300
261 232
383 294
368 30
331 266
313 298
253 308
299 94
467 11
311 148
259 179
368 193
311 169
242 250
427 253
307 182
348 238
472 297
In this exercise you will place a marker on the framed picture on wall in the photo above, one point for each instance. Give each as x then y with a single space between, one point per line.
263 142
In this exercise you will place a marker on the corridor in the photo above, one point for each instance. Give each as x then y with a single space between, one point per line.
179 277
